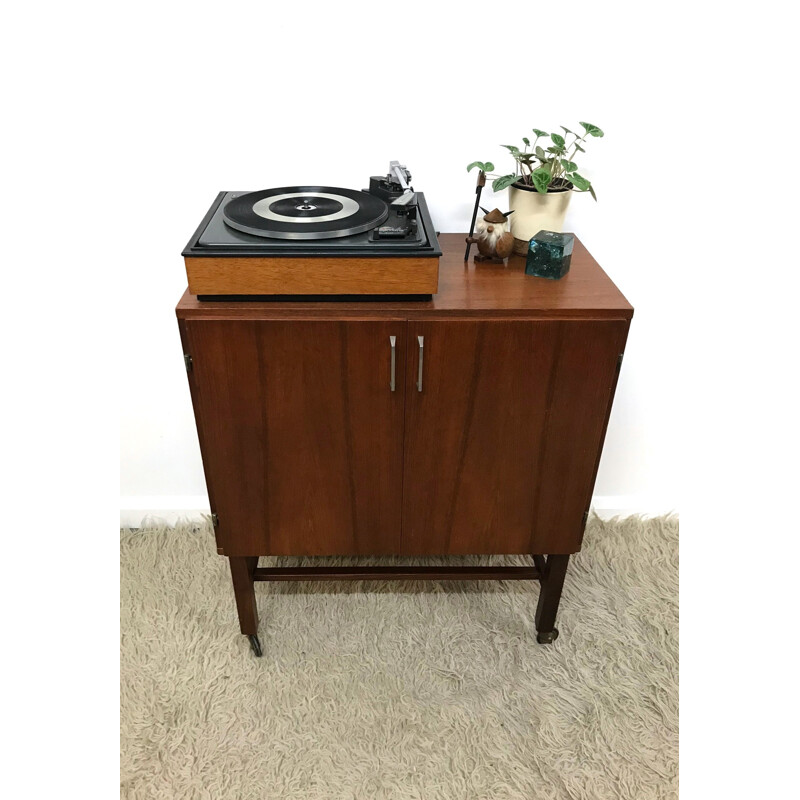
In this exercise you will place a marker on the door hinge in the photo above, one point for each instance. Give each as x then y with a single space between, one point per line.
619 361
214 520
187 360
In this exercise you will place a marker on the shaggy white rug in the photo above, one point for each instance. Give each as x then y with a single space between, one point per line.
401 690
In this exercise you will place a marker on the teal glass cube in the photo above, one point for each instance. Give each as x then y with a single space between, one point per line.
549 254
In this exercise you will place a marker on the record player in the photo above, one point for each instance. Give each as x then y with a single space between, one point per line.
317 240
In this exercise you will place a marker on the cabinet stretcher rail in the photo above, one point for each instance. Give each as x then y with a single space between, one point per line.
395 573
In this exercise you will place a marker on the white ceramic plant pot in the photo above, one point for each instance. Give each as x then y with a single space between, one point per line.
534 212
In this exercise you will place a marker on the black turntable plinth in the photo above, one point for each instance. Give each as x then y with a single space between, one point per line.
316 240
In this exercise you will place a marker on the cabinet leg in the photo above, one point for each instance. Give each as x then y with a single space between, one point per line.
242 569
552 581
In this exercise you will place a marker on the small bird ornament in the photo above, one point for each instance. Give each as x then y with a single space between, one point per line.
494 239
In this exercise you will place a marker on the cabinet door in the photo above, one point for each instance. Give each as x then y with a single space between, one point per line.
301 433
504 435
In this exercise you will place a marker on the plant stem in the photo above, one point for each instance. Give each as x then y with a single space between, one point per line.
583 138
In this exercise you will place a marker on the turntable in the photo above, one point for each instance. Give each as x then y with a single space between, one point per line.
317 240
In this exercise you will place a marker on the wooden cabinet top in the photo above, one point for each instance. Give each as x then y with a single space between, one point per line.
465 289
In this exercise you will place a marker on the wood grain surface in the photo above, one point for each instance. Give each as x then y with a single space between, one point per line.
465 288
502 444
282 276
474 434
581 391
308 452
302 437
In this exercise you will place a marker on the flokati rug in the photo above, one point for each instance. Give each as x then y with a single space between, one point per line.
401 689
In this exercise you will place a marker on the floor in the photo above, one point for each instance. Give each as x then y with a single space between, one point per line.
401 690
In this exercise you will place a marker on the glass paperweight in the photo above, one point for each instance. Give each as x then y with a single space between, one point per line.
549 254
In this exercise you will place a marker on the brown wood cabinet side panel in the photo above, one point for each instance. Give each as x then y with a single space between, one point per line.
473 435
583 380
186 347
303 435
609 406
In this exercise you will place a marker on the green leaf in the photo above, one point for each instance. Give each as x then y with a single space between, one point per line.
541 179
479 164
539 133
556 150
569 166
488 167
513 149
578 147
527 141
503 182
567 130
580 183
591 192
558 139
592 130
540 153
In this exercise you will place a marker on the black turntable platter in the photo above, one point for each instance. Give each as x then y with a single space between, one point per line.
305 212
216 237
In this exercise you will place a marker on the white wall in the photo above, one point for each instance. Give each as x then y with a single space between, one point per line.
328 93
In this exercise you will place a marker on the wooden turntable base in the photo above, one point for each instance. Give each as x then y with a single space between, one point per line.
276 275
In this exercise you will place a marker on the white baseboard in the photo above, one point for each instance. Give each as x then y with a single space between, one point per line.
134 512
622 505
171 509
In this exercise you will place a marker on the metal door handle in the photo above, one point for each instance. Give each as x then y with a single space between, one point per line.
421 342
393 344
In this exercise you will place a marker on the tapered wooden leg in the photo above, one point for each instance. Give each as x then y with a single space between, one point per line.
242 569
552 581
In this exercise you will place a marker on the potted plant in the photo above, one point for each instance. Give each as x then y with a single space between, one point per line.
543 182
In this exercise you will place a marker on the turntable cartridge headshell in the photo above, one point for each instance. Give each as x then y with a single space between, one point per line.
395 187
402 176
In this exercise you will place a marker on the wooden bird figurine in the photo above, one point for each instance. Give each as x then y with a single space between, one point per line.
494 239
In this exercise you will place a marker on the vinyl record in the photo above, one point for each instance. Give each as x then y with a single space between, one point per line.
305 212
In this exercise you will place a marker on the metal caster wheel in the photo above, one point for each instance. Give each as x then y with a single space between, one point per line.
255 645
547 638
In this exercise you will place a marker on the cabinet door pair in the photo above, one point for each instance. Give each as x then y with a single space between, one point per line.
401 437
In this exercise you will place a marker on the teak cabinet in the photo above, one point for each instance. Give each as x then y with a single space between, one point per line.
471 423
